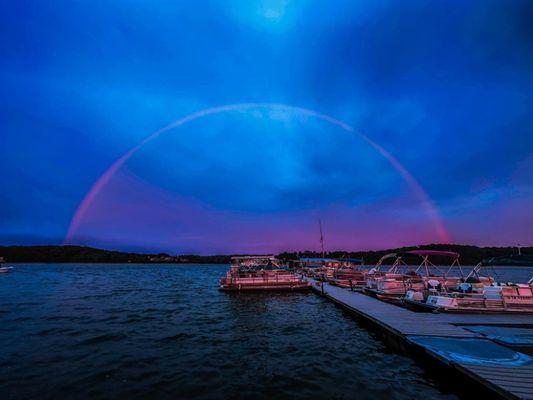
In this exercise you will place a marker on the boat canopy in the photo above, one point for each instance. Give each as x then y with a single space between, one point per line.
434 253
266 257
255 262
426 263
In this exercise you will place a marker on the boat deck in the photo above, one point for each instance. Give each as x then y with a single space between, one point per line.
453 339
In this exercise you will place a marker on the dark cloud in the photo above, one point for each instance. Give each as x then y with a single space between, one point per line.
445 86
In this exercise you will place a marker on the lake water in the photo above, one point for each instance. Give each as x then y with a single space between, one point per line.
165 331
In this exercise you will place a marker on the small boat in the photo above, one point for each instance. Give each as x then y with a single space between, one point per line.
4 268
349 274
259 273
318 268
393 284
475 294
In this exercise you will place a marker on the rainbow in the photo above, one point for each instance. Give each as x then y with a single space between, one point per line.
104 179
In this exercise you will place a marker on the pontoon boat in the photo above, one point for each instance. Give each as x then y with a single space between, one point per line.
260 273
394 283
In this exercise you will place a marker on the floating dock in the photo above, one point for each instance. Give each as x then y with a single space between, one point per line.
483 348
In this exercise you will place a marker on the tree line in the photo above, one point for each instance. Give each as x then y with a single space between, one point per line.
470 255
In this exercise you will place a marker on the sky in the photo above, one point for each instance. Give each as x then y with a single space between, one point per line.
235 126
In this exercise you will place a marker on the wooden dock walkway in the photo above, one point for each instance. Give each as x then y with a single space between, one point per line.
445 336
509 382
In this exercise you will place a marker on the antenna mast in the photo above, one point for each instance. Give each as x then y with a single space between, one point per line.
321 237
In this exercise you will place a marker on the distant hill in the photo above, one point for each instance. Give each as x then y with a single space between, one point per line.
470 255
83 254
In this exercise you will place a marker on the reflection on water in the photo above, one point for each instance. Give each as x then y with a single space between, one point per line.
165 331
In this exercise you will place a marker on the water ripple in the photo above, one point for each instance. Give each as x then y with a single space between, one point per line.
163 331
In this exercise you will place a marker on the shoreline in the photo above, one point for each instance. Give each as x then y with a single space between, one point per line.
470 255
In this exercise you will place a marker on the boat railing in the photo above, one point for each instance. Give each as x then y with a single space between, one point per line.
475 273
277 278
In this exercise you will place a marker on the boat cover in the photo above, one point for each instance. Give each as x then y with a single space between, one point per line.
473 351
505 335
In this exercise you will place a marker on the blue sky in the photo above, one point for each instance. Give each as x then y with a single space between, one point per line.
445 87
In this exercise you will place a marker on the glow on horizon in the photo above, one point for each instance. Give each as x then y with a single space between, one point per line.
103 180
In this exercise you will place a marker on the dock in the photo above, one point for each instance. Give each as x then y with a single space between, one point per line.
479 347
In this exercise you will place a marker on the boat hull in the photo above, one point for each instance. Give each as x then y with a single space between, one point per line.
389 297
268 287
494 300
421 306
